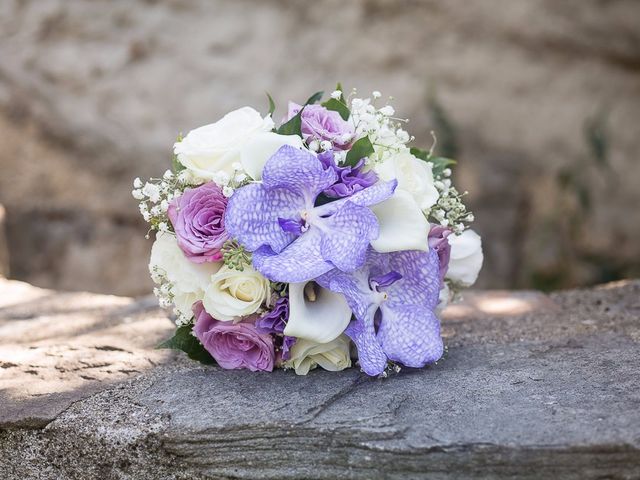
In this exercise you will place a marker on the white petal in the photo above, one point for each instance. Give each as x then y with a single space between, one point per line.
320 321
466 257
402 224
255 153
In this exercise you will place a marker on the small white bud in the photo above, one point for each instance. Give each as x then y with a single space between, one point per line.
387 111
314 145
325 145
376 94
137 183
164 205
137 194
446 172
336 94
163 227
227 191
168 175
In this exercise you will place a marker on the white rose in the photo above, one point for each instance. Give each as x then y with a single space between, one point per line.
307 355
466 257
188 280
242 136
413 175
232 294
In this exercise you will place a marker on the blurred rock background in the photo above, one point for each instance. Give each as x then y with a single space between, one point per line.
539 100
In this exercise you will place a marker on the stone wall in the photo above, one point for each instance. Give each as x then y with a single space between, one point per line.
539 100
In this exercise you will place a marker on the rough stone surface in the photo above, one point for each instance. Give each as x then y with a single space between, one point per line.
531 386
93 94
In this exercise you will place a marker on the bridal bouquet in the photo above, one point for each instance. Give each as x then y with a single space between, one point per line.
310 243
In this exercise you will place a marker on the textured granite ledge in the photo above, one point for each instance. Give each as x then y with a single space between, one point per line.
531 386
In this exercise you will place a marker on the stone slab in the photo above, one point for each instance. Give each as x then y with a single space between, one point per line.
531 386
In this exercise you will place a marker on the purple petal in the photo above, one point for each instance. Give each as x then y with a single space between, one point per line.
347 235
299 262
385 280
371 356
421 271
375 194
410 334
252 216
298 171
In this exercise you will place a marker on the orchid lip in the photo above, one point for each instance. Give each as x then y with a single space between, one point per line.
382 281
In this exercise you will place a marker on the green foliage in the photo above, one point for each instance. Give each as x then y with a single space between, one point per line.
316 97
176 166
361 149
272 104
439 163
294 125
183 340
337 106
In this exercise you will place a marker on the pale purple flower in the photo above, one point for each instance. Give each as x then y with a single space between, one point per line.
321 124
438 242
393 297
274 322
350 179
234 345
197 217
293 240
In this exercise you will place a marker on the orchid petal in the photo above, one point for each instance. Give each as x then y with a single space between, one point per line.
403 226
321 320
255 153
347 235
297 171
301 261
410 334
252 216
422 272
371 356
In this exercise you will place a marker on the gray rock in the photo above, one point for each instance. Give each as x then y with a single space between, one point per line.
531 386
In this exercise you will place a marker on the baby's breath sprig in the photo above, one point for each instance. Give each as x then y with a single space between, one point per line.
235 256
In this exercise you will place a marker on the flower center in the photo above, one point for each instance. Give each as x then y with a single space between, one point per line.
379 283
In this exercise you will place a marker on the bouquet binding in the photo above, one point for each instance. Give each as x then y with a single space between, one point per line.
319 242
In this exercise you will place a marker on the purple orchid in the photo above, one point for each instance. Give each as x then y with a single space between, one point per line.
350 179
274 322
393 297
292 240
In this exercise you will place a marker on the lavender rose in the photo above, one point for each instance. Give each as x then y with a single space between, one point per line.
197 217
438 241
321 124
234 345
274 322
350 179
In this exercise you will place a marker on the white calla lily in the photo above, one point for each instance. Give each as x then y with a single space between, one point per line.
315 313
255 153
403 226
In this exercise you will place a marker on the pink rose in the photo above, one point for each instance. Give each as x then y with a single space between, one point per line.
234 345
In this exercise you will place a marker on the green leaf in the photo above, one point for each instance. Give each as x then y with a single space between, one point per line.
419 153
316 97
175 163
293 126
361 149
176 166
185 341
440 163
272 104
337 106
